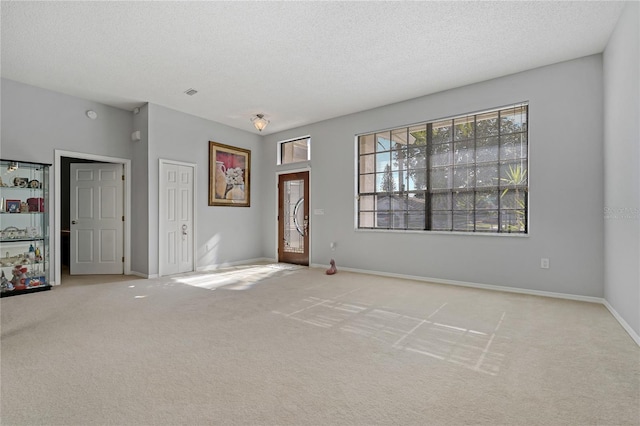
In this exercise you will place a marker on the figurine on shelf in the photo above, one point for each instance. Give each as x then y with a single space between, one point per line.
19 277
38 255
5 284
20 182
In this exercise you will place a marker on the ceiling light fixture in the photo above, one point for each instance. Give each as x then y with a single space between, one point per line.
259 122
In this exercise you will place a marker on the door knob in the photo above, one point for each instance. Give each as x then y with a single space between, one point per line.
73 222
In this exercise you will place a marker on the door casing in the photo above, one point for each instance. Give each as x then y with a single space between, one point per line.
54 238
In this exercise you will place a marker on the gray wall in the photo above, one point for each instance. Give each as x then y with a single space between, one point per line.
35 122
224 234
566 188
622 162
140 194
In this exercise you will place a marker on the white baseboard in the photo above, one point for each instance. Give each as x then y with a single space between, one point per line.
140 274
622 322
589 299
473 285
228 264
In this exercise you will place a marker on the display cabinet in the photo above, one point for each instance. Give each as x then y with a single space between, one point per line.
24 227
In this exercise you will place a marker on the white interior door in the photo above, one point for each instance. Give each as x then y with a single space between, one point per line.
96 219
176 218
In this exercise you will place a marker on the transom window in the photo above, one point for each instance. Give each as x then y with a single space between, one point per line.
466 173
294 150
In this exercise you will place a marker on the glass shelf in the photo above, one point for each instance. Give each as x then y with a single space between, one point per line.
21 240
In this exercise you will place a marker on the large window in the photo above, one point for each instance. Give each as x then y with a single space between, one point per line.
465 173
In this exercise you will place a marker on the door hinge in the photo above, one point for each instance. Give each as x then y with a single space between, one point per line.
122 177
123 218
123 258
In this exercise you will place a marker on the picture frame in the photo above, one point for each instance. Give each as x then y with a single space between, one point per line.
229 175
12 206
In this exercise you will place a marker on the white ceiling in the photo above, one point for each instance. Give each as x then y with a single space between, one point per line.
296 62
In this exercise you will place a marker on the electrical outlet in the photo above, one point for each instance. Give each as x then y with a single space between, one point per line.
544 263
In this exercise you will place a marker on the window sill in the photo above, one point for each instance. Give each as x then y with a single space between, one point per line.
482 234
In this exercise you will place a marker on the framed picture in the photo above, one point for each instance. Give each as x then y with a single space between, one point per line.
229 175
12 206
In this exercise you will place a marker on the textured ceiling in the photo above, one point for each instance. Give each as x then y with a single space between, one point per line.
296 62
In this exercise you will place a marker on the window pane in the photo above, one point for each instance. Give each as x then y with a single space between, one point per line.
387 181
487 149
441 221
487 221
416 201
463 128
382 219
487 200
398 207
294 151
399 159
513 199
513 173
463 201
367 144
487 175
391 213
513 146
398 202
464 153
513 120
366 220
367 183
464 177
487 124
399 137
383 161
383 141
440 155
417 179
417 157
367 202
440 178
441 201
463 221
512 220
416 220
398 220
441 132
405 180
367 164
418 135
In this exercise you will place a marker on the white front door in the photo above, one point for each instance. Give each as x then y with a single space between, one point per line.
176 218
96 219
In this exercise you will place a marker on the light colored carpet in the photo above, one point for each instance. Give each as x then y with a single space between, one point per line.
280 345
